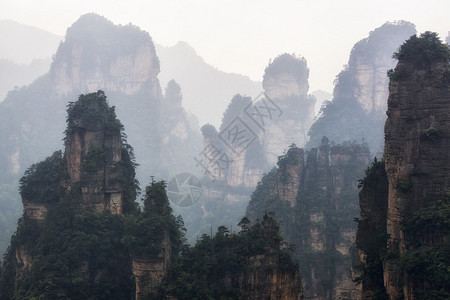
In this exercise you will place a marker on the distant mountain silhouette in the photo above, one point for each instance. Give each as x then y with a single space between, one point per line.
25 54
13 75
206 90
23 43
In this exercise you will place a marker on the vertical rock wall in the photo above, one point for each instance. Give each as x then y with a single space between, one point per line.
94 153
416 153
403 236
315 199
85 62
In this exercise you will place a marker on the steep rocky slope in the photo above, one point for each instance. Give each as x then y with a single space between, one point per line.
82 235
252 134
314 195
90 58
417 159
357 111
81 224
96 54
286 84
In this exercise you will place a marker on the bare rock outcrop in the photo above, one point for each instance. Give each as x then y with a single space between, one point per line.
87 61
286 84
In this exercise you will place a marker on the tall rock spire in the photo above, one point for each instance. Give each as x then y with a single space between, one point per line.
416 207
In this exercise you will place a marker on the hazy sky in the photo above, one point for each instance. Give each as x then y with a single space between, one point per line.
242 35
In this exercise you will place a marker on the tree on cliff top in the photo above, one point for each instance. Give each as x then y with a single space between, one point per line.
219 266
425 49
288 63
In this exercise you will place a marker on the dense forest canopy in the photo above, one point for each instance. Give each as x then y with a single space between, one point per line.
288 63
216 266
425 49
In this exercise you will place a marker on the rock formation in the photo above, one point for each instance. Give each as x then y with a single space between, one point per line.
264 278
414 214
286 84
93 154
88 59
82 235
180 135
252 134
250 264
95 174
371 236
314 196
359 97
96 54
74 223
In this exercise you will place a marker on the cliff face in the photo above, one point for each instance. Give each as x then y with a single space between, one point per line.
371 82
86 62
95 174
264 277
96 54
369 61
93 161
417 141
282 85
94 154
315 199
252 135
253 263
286 84
74 213
417 171
371 235
359 97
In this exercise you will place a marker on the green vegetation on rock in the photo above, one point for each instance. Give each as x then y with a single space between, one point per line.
423 50
224 266
41 182
288 63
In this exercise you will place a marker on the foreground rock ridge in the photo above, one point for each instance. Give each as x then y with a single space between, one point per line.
403 238
83 236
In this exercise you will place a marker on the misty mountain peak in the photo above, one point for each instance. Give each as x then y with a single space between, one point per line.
287 75
97 54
